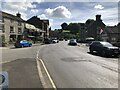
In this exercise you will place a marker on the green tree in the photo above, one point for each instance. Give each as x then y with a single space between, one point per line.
64 26
74 28
89 21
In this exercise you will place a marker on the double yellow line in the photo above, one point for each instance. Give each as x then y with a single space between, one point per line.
43 81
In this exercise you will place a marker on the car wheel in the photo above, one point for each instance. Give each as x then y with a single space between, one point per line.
91 51
22 46
30 45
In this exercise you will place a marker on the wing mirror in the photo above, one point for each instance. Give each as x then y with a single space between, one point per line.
3 80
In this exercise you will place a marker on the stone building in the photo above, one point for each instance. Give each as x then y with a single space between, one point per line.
94 29
11 27
41 24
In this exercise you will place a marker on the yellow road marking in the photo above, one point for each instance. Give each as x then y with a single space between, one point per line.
53 84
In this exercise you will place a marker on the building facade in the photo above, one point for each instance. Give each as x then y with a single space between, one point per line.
11 27
94 29
33 33
41 24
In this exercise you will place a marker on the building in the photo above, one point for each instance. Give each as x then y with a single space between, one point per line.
33 33
94 29
113 35
11 27
41 24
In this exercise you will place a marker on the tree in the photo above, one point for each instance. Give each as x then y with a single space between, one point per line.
89 21
64 26
74 28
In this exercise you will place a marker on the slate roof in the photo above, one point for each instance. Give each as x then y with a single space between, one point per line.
112 29
37 22
10 16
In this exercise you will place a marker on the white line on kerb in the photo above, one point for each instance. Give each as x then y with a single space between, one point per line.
54 86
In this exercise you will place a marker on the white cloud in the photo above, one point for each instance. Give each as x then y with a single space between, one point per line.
17 6
98 6
34 11
42 16
21 7
38 1
59 12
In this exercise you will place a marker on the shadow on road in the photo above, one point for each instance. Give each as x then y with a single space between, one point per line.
96 54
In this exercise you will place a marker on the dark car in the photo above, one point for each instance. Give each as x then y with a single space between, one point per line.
104 48
80 41
23 43
47 41
72 42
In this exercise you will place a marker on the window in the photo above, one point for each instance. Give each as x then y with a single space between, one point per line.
12 29
113 39
11 20
19 31
19 23
2 28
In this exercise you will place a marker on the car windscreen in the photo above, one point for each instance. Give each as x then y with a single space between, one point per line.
106 44
72 40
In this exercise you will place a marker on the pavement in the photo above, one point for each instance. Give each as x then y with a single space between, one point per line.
11 46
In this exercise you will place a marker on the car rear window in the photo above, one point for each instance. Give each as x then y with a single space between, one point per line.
106 44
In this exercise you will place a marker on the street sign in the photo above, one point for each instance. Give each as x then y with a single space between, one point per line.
3 80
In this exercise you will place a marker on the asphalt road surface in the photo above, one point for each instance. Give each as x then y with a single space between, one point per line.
20 63
75 67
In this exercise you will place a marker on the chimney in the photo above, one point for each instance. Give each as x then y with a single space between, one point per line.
18 15
98 17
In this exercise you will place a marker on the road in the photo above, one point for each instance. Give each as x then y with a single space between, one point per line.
69 67
75 67
20 63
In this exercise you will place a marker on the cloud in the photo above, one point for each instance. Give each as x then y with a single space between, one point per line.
17 6
38 1
98 6
21 7
34 11
42 16
59 12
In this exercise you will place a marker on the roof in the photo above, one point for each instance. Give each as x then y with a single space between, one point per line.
10 16
112 29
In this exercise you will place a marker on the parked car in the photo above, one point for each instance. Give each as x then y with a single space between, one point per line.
23 43
72 42
104 48
47 41
66 39
80 41
89 40
55 41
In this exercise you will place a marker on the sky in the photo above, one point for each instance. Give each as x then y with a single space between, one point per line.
63 11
